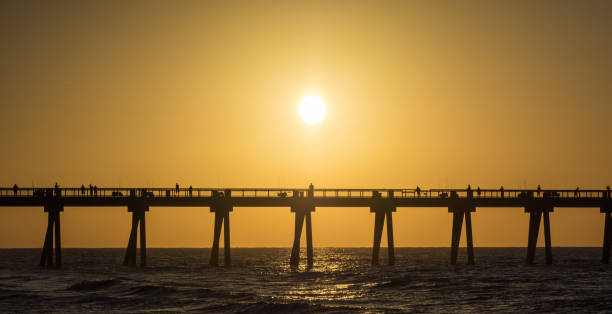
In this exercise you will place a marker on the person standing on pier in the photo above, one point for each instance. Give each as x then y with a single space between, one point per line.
501 190
15 188
90 190
95 190
177 189
418 191
57 189
470 194
190 191
82 189
478 191
311 190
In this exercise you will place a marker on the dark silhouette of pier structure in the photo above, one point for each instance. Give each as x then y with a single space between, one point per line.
382 202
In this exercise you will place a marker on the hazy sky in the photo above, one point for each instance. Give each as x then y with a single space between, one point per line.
205 93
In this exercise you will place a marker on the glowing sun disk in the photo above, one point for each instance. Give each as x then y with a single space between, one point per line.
312 109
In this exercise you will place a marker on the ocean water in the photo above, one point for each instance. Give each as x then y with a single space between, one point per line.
342 280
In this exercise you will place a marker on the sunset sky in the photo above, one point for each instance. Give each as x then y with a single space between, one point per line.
431 93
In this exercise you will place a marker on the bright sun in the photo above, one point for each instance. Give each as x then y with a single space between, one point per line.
312 109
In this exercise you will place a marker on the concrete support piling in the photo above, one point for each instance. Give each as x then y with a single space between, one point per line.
143 240
226 239
309 250
222 207
456 236
303 208
607 240
390 245
214 253
138 218
53 226
535 218
379 220
468 236
301 214
460 212
383 208
547 242
297 236
58 239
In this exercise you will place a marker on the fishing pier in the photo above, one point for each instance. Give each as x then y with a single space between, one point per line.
461 203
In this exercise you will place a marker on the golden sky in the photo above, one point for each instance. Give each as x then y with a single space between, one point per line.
205 93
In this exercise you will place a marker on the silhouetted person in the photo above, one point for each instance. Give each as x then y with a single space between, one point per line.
501 190
478 191
311 190
57 189
82 189
418 190
470 193
90 190
177 189
190 191
15 188
95 190
576 192
539 189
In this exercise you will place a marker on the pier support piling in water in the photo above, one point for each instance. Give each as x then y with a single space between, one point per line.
383 208
221 207
303 208
53 226
138 218
607 240
461 211
535 218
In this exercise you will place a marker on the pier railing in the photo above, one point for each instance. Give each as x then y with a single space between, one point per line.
318 193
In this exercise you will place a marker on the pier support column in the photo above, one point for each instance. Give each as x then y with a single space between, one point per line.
607 240
221 221
222 207
309 252
535 217
226 239
468 236
53 226
302 212
459 213
390 245
380 212
547 241
138 218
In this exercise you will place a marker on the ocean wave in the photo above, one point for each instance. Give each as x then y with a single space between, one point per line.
150 290
87 285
